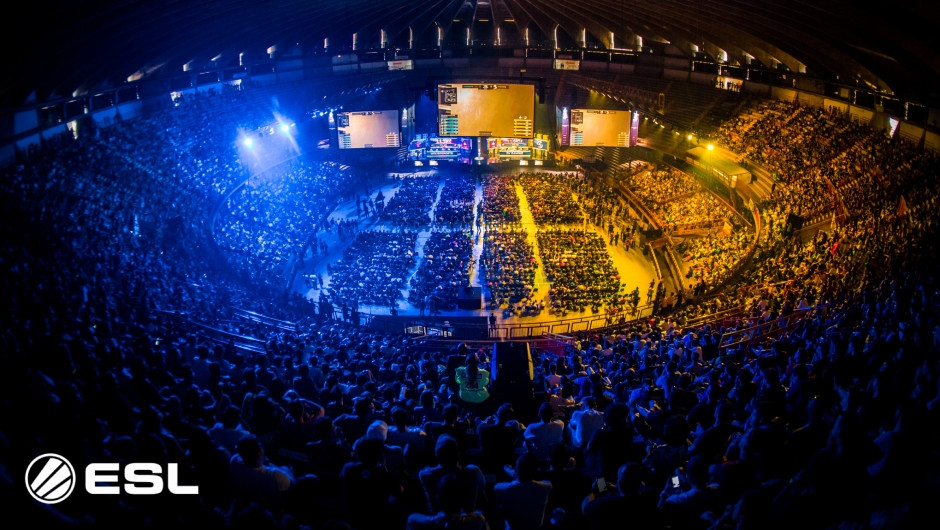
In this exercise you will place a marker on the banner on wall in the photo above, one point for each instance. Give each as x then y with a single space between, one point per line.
406 64
860 114
840 106
911 133
932 141
567 64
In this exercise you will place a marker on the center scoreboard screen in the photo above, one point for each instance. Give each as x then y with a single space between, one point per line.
599 127
368 128
485 109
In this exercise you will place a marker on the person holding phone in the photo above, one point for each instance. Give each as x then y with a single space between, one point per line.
687 494
605 506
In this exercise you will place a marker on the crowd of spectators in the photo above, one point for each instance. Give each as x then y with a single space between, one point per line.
580 270
410 206
444 271
374 268
712 259
550 198
500 203
660 184
508 264
454 208
784 137
796 144
828 421
270 223
700 209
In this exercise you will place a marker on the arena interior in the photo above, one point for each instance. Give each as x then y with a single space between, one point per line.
471 264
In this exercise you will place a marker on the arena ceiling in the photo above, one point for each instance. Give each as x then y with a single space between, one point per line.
59 49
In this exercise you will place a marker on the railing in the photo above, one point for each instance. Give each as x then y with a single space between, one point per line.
264 319
550 343
674 268
713 318
774 328
216 335
655 260
444 329
636 203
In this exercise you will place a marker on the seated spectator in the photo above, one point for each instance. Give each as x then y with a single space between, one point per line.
228 432
500 438
684 505
412 439
448 463
329 451
614 445
630 495
542 436
451 424
371 491
255 480
427 410
353 426
451 492
521 503
393 455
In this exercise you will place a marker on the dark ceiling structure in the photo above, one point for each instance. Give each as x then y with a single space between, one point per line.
60 49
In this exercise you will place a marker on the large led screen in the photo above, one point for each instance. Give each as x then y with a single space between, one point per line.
368 128
599 127
485 109
439 148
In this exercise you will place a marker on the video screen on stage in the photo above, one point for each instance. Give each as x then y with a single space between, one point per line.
485 109
439 148
368 128
448 148
599 127
519 148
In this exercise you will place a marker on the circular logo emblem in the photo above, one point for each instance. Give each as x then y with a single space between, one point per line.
50 478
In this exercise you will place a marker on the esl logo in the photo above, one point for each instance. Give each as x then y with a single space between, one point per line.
53 479
50 479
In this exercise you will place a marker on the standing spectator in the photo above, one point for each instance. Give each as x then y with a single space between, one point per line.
584 423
